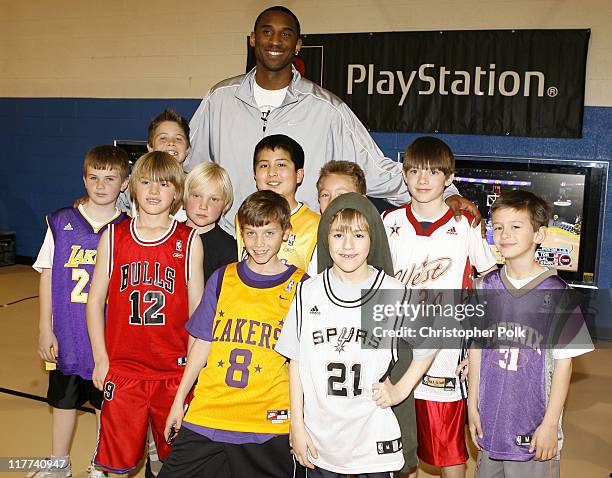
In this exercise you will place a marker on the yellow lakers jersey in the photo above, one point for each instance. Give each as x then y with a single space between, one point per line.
245 385
298 248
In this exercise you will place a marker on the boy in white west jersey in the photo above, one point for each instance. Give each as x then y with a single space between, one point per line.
431 250
341 422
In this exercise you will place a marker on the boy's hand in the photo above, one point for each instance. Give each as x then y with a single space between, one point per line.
386 394
458 203
99 374
462 370
48 348
475 426
174 420
544 442
302 445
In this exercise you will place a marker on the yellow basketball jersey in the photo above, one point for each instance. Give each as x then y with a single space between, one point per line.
298 248
245 385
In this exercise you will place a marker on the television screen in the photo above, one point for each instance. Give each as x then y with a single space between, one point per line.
574 189
134 148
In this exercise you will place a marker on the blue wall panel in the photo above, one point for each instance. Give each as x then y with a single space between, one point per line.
44 140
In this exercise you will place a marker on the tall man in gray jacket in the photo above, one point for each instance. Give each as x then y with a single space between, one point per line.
273 98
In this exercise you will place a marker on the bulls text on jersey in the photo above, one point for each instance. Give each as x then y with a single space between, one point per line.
137 273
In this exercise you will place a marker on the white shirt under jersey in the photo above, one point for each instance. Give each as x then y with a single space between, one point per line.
323 332
44 260
441 257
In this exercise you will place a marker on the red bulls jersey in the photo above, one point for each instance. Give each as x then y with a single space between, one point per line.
147 301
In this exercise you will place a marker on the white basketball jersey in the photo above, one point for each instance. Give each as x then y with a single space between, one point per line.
351 433
441 257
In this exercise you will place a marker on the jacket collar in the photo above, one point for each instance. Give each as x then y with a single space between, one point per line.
245 89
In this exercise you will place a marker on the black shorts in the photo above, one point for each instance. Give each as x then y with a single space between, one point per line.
194 455
71 391
321 473
405 411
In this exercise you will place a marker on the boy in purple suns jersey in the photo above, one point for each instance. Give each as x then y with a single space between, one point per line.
66 261
518 386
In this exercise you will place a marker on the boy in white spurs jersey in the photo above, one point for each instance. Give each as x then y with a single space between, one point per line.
431 250
341 422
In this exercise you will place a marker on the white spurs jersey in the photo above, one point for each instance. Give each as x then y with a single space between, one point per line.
351 434
441 257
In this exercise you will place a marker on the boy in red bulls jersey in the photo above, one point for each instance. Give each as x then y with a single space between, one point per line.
518 385
145 267
237 424
66 262
432 250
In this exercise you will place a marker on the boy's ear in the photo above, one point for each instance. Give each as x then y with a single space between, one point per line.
299 175
448 181
252 39
540 235
125 184
149 147
286 235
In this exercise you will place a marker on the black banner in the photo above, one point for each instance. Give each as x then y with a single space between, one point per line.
491 82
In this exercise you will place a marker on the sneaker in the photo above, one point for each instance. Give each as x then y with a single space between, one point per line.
94 472
51 473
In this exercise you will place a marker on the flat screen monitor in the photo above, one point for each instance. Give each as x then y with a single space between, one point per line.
576 190
134 148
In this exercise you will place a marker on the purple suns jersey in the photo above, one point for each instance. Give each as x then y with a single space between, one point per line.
75 246
516 373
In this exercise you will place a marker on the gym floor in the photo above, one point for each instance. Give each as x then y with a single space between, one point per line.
26 419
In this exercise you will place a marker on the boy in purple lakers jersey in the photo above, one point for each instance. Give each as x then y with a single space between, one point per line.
519 382
66 261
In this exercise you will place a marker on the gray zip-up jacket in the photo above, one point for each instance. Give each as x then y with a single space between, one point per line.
228 124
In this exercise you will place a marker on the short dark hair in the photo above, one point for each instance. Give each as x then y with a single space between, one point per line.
539 210
107 157
344 168
284 142
279 8
264 207
167 115
428 152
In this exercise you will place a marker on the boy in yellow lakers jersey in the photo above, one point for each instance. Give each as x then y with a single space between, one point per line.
278 165
238 421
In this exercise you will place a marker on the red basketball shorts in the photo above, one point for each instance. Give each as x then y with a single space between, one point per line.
129 406
441 432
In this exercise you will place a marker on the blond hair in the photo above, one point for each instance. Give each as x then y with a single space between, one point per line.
159 166
348 219
344 168
210 173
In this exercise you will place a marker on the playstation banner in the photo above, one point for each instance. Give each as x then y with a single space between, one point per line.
488 82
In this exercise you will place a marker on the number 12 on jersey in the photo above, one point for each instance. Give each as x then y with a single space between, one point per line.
337 385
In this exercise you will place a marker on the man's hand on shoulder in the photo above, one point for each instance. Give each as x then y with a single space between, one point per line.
459 203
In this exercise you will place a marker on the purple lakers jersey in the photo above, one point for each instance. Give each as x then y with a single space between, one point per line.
516 372
76 243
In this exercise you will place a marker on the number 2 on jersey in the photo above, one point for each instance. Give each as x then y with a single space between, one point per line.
82 278
336 382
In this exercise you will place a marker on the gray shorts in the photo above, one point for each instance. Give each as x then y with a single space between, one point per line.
488 468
